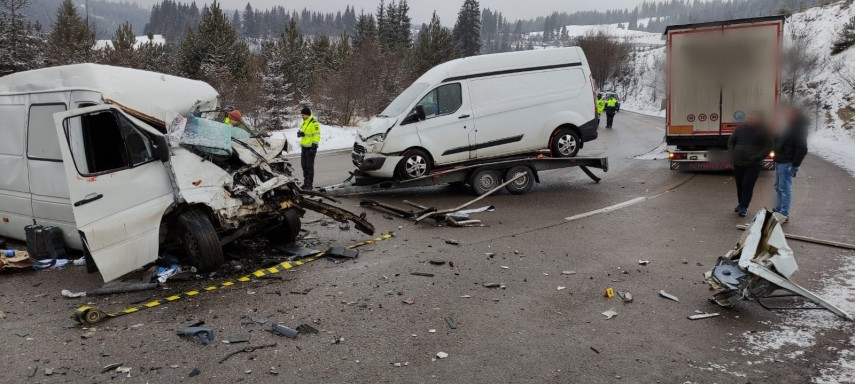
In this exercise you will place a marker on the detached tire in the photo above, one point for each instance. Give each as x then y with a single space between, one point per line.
522 185
484 181
290 228
200 241
565 143
416 163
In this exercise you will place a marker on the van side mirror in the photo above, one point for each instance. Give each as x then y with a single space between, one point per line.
161 148
420 112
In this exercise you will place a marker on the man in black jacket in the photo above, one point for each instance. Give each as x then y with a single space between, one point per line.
749 144
790 149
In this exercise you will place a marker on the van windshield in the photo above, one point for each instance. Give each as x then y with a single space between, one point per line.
404 100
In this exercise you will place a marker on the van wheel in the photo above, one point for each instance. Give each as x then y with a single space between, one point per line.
416 163
290 228
565 143
484 181
522 185
200 241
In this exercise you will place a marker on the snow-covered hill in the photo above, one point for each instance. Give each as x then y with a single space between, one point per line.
615 30
156 39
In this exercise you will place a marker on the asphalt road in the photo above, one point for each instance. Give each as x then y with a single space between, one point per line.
528 331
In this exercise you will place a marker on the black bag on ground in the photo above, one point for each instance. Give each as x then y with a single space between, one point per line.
45 243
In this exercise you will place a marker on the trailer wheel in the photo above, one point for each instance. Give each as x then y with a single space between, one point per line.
484 181
200 241
416 163
565 143
290 228
522 185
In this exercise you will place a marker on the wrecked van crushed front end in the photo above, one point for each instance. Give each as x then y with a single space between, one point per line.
244 179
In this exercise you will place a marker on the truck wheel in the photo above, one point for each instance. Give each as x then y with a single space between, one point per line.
565 143
484 181
200 241
416 163
290 226
522 185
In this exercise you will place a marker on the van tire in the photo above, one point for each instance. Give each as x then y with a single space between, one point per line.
522 185
200 241
415 163
291 227
565 143
485 180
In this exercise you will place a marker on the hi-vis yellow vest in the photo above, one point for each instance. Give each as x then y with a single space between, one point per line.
612 103
311 132
601 105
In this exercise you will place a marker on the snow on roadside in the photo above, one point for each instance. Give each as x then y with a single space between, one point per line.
834 146
332 137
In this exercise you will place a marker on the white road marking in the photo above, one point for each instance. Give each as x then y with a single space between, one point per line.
607 209
659 129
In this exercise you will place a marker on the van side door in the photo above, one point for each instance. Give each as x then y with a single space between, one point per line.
448 131
119 190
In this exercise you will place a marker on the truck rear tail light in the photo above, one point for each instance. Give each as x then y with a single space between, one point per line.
772 155
676 156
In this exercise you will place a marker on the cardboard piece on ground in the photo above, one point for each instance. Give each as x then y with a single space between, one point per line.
21 260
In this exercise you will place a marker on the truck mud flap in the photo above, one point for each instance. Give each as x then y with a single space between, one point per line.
338 214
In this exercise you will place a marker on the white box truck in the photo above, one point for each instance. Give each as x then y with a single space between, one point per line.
716 73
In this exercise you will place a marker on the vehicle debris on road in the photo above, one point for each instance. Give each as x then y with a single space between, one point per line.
286 331
199 332
72 295
643 262
441 355
668 295
761 264
625 296
700 316
610 313
245 350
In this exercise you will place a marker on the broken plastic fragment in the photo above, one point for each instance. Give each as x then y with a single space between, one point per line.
610 313
441 355
625 296
703 316
643 262
668 295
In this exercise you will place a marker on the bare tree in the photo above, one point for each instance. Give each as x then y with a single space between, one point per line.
607 56
801 61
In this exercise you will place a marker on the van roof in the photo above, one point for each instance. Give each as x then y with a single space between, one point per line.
503 63
151 93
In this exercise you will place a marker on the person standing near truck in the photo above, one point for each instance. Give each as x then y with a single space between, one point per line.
611 110
310 137
601 106
790 149
749 144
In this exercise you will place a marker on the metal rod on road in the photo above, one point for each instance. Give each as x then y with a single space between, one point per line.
810 239
426 215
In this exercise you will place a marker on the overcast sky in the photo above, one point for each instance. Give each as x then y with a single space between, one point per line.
420 10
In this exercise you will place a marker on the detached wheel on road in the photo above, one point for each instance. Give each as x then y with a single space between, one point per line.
522 185
200 241
416 163
290 229
485 180
565 143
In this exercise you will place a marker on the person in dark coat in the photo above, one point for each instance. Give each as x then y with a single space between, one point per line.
749 145
790 149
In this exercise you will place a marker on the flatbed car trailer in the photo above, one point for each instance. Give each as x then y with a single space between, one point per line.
482 176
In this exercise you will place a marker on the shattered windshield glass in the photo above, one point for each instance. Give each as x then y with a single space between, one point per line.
404 100
207 136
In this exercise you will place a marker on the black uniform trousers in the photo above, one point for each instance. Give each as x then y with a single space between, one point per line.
307 161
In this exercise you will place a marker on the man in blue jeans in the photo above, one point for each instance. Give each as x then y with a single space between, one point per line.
790 150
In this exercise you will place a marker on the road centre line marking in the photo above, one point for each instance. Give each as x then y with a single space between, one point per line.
610 208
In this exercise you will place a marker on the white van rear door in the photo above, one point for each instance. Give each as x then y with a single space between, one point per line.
119 190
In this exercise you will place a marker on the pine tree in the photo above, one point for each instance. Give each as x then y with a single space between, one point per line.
21 43
213 52
156 57
467 30
250 23
71 40
366 30
236 24
123 53
434 46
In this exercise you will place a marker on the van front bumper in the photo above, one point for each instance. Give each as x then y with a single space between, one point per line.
374 164
588 131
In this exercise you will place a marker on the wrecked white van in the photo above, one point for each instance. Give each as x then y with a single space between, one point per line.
125 163
483 107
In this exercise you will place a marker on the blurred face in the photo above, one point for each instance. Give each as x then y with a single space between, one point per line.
304 116
792 114
752 119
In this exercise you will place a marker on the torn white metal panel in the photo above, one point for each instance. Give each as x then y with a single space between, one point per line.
761 263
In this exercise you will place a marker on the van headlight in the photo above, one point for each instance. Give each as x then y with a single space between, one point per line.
374 139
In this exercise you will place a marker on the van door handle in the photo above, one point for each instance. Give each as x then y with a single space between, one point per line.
464 116
89 198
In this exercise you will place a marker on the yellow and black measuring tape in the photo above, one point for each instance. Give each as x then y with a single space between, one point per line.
92 315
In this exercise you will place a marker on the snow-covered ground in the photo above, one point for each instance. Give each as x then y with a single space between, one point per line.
156 39
332 137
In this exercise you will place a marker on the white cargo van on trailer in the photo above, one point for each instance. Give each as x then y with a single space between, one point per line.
483 107
716 74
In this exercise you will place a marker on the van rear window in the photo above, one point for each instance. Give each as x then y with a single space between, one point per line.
42 140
